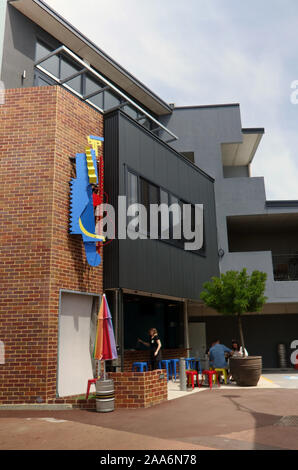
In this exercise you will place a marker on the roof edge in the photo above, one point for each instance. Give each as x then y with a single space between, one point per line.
282 203
165 144
225 105
44 6
253 130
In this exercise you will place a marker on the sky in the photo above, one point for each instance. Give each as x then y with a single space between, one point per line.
195 52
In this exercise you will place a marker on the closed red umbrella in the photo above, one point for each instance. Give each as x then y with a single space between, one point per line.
105 346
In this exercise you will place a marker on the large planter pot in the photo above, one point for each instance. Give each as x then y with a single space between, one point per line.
246 371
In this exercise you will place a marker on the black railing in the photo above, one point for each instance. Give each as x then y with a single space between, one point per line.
285 267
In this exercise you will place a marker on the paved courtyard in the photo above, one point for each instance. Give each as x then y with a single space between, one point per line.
229 417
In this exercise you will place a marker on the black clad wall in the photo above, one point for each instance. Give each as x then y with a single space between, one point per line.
151 265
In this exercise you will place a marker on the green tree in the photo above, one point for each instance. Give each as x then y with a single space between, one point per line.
235 293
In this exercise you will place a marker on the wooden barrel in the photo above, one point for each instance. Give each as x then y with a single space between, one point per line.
105 396
246 371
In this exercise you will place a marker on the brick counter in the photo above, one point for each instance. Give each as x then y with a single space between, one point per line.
139 389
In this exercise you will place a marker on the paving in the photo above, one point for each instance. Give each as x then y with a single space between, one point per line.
222 418
266 381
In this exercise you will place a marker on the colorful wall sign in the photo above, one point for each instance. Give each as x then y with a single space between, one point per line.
86 183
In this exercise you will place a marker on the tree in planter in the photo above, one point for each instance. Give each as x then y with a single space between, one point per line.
236 293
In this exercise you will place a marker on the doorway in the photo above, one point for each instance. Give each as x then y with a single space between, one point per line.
197 339
75 337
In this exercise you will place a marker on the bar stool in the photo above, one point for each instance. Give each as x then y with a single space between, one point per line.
190 363
190 374
140 366
223 372
174 363
198 368
210 374
90 382
167 364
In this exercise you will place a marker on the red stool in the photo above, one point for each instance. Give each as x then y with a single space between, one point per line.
90 382
190 374
210 374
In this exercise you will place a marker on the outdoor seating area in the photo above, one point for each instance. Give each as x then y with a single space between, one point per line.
195 376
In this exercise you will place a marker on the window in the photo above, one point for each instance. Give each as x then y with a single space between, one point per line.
110 100
175 220
67 69
51 65
92 86
149 195
170 228
132 196
41 50
130 111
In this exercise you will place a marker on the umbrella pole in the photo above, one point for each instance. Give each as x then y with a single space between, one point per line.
104 370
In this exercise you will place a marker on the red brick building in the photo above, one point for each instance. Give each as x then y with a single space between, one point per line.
40 129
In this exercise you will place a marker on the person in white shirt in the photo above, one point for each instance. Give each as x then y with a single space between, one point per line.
237 349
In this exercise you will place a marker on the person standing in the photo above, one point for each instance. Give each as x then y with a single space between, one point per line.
155 346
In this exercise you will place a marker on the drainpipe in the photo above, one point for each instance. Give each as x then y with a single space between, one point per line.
121 327
186 333
118 322
116 316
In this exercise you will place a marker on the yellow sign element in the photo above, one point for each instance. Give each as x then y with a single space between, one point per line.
90 166
95 144
91 235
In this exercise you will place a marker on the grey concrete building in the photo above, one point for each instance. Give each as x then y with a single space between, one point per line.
252 232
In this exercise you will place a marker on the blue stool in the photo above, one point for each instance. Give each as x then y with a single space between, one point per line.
139 365
167 364
174 363
198 368
190 363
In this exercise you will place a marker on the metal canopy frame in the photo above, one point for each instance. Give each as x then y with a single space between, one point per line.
124 99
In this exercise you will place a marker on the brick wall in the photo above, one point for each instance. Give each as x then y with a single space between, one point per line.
133 356
132 390
40 128
139 389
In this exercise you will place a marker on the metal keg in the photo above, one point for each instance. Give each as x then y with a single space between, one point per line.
105 396
282 355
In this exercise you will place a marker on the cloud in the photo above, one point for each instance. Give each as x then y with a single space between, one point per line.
209 51
276 163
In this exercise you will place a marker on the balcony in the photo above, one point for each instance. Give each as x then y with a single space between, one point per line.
274 236
285 267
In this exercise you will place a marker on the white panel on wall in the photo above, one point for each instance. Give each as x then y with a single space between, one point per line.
197 339
74 360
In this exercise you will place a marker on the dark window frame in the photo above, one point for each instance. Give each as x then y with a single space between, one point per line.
173 242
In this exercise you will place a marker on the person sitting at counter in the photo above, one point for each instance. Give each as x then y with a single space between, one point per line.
155 346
